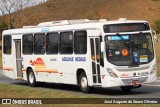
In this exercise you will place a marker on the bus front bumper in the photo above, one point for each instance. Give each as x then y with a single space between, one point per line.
114 82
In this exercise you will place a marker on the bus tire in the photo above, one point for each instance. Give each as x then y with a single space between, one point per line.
83 83
31 78
126 88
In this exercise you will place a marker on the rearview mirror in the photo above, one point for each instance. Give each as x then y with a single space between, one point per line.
155 36
102 46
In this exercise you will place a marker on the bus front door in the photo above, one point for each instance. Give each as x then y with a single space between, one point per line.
95 57
18 58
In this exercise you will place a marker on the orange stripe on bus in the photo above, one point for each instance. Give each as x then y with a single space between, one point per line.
8 68
39 65
47 70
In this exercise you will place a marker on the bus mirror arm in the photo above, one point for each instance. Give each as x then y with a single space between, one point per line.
102 46
155 36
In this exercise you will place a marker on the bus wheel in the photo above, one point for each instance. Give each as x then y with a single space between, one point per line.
126 88
83 83
31 78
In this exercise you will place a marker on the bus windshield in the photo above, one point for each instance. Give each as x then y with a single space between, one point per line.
129 49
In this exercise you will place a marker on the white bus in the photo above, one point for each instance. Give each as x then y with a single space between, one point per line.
87 53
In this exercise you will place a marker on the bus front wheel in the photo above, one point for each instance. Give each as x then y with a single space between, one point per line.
31 78
83 83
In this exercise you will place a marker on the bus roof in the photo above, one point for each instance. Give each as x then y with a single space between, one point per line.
64 25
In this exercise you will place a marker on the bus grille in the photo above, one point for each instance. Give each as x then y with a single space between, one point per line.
132 69
129 81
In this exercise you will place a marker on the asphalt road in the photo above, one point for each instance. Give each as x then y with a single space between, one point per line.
146 91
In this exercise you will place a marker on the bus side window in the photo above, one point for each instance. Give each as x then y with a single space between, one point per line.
39 44
52 42
80 42
66 42
28 44
7 42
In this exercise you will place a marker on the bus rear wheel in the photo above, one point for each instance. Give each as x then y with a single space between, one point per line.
126 88
83 83
31 78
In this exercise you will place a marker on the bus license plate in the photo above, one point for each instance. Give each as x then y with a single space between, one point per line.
136 83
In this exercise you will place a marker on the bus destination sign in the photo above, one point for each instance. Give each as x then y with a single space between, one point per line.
126 27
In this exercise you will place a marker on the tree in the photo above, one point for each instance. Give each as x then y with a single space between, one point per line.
12 11
3 26
156 26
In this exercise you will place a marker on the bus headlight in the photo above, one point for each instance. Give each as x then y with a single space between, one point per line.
154 69
111 73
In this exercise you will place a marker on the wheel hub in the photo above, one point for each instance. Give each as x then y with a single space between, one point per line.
31 78
84 82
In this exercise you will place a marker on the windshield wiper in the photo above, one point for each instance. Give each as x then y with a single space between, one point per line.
120 36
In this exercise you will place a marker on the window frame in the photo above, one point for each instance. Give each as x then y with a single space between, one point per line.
32 44
75 43
58 34
60 45
10 44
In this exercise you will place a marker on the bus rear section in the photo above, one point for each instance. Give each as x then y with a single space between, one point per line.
11 56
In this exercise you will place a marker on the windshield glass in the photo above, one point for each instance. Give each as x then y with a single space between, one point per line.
128 50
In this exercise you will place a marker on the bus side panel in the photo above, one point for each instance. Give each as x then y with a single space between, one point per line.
8 69
26 64
57 68
61 72
6 62
42 67
70 65
47 70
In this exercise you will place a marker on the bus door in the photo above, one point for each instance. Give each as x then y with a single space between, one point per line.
95 57
18 59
